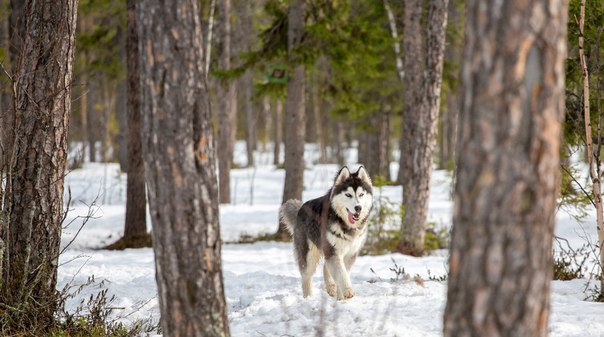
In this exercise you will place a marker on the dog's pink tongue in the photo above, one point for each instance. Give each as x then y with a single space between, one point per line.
351 219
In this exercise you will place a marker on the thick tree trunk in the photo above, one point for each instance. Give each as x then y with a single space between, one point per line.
226 110
508 169
35 187
412 90
420 121
136 198
295 121
180 170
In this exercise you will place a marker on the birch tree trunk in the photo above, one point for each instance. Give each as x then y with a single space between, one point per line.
179 156
295 121
593 158
508 169
36 177
420 117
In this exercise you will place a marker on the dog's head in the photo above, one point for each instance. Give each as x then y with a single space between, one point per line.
352 195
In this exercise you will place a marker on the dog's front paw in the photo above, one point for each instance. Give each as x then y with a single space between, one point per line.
331 289
348 293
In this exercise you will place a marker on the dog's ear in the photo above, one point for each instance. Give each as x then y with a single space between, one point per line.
342 175
363 175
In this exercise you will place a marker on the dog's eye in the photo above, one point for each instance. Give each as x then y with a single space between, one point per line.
349 195
361 195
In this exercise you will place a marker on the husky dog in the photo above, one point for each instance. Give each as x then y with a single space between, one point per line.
334 226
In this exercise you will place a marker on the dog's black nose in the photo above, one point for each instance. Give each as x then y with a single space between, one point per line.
357 208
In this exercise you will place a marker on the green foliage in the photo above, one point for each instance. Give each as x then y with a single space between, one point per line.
354 40
574 129
100 28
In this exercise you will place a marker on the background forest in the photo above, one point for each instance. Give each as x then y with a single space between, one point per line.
275 96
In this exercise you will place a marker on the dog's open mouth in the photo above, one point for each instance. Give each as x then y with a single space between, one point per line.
353 217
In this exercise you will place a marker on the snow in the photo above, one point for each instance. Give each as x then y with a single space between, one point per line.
262 283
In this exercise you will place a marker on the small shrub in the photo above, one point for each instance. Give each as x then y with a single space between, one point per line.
92 317
570 264
437 237
384 223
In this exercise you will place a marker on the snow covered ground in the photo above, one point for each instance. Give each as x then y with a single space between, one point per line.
262 282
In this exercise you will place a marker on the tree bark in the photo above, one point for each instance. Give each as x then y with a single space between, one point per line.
226 110
92 117
179 156
43 80
16 35
251 117
6 96
508 169
373 146
136 198
422 102
295 121
277 130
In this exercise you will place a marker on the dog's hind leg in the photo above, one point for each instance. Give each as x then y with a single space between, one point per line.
330 284
307 271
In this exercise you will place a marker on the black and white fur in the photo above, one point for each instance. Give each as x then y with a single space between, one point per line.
335 226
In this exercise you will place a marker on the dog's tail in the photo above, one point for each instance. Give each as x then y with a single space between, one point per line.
288 214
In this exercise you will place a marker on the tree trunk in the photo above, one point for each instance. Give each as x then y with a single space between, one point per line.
179 156
136 198
448 119
251 118
592 158
92 117
413 71
508 169
266 121
420 120
226 110
338 141
5 87
373 146
35 187
277 130
295 121
107 106
16 32
120 141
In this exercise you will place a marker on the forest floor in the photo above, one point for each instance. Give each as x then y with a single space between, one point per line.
262 283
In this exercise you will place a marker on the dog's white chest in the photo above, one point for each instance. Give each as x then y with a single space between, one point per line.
346 244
